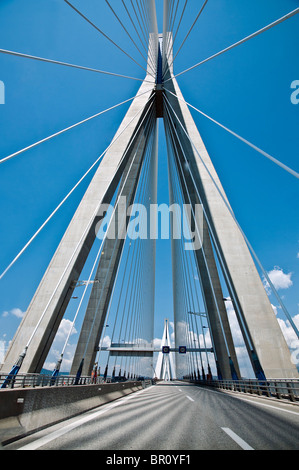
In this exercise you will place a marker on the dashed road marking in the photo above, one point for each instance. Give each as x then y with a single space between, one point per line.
237 439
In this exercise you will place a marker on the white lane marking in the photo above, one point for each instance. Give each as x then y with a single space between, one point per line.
60 432
237 439
268 406
179 390
252 400
189 398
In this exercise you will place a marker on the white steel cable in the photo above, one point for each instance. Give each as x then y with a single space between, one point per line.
150 12
104 238
238 225
166 27
136 286
137 18
104 34
174 15
65 130
143 18
63 201
128 269
145 28
127 32
72 256
82 298
88 281
180 21
152 64
204 254
280 20
141 178
172 26
67 64
181 149
187 35
174 170
134 26
110 221
262 152
223 266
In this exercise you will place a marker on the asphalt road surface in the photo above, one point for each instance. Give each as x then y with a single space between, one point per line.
175 416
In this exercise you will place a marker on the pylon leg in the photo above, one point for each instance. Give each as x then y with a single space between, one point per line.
56 288
257 314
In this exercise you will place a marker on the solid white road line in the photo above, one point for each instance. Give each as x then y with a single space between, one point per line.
237 439
60 432
254 400
268 406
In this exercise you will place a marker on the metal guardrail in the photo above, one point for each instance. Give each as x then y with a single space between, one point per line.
276 388
42 380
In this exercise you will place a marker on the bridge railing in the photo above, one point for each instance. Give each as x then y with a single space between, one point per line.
276 388
41 380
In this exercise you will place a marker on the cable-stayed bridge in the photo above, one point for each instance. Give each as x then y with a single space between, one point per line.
111 239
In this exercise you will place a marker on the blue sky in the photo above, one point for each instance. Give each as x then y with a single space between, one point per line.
247 89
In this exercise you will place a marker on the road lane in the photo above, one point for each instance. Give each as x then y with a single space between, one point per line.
175 416
264 423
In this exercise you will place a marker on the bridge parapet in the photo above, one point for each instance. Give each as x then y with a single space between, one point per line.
273 388
25 410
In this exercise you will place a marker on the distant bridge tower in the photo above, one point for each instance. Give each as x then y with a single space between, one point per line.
191 170
165 366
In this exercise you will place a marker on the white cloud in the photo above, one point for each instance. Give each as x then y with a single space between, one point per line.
106 342
67 359
291 338
279 279
157 343
275 309
234 325
17 312
58 343
2 350
288 331
172 334
64 330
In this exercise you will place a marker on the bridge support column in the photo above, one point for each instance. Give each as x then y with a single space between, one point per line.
56 288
